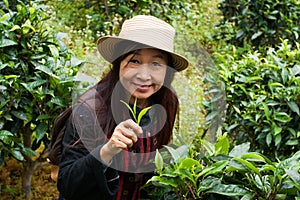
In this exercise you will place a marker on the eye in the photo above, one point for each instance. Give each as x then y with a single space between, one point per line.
156 64
135 61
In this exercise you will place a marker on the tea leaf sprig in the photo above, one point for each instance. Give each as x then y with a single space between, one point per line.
138 118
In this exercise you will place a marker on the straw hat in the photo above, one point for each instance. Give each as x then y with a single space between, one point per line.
141 32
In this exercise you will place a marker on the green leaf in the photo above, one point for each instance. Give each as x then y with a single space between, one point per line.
214 169
43 116
187 163
248 165
282 117
27 26
228 190
28 152
130 109
58 101
6 42
253 79
75 61
294 107
209 147
240 150
253 157
15 27
11 76
159 162
256 35
208 183
124 9
41 130
163 181
266 111
30 87
222 145
173 153
16 153
19 114
269 139
43 68
54 51
5 136
278 138
294 175
134 107
186 176
142 113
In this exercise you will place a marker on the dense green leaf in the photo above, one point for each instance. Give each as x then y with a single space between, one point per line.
239 150
41 130
158 161
6 42
43 68
43 116
142 113
29 152
173 153
54 51
282 117
19 114
17 154
163 181
294 107
249 165
188 163
5 136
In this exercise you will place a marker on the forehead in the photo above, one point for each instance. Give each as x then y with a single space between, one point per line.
151 52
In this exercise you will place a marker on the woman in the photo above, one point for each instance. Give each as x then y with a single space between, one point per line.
107 155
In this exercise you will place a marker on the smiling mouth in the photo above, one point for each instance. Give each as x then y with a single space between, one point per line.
142 86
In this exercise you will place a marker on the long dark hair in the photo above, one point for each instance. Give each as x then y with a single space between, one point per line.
165 97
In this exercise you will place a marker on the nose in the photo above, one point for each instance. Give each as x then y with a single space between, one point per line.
143 72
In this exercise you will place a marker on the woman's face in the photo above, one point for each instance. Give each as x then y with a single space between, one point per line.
142 73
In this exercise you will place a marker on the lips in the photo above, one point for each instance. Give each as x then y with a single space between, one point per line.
142 87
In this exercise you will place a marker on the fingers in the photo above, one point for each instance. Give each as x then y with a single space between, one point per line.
130 124
126 134
123 140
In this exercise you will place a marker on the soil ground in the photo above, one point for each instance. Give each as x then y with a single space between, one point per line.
43 187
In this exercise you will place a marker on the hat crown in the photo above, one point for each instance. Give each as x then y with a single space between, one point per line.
149 30
139 32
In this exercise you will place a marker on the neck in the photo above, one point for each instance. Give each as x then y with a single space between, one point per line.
141 103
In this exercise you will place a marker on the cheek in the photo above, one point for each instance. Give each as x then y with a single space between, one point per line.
126 74
159 77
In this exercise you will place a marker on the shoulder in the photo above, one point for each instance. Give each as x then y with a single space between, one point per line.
92 98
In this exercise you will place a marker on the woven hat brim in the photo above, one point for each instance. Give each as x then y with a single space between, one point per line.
111 48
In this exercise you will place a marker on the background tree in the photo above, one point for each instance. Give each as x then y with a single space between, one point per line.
36 82
259 23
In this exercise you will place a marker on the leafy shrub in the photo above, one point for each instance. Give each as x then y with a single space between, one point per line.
225 174
106 17
263 97
259 23
36 82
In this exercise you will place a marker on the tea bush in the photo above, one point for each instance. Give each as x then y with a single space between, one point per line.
263 97
259 23
36 82
224 173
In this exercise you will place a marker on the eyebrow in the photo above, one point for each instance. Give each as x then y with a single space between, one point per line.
159 55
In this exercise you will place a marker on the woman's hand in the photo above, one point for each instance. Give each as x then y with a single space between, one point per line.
123 137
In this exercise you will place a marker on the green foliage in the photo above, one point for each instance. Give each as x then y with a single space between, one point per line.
259 23
225 174
36 79
105 17
136 116
263 97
